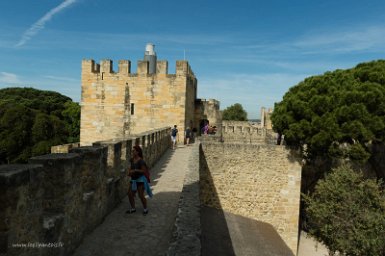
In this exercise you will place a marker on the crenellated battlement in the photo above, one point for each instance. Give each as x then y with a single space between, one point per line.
247 133
143 67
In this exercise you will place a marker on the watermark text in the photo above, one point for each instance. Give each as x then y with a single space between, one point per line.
38 245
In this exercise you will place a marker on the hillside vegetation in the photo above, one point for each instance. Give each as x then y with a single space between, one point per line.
31 121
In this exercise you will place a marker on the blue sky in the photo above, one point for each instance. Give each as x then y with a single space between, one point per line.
248 52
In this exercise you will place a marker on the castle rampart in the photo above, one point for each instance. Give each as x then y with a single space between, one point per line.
59 198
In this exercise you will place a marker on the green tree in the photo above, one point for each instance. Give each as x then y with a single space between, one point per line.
47 131
235 112
346 212
15 132
337 114
31 121
71 115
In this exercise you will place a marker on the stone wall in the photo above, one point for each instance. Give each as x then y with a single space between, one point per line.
208 110
246 132
261 182
117 104
266 118
59 198
65 148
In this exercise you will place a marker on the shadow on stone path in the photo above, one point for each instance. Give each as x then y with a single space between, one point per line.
135 234
227 234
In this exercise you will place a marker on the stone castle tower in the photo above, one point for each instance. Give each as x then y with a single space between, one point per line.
265 118
115 104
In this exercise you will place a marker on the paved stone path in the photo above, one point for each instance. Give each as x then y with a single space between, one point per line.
227 234
309 247
135 234
224 234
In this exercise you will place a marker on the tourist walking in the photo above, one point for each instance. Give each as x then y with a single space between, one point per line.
174 134
138 182
187 135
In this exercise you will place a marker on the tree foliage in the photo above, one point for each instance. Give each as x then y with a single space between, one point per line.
31 121
71 117
336 114
235 112
346 212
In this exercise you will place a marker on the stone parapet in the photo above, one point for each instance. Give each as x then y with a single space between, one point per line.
57 199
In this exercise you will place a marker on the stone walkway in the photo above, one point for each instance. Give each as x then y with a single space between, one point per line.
135 234
309 247
124 234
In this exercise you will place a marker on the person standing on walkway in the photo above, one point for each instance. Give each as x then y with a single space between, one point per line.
174 134
187 135
138 181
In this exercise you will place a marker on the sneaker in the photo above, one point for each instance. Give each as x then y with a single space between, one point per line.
129 211
145 212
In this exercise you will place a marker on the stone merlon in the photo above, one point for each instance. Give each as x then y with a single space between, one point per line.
124 67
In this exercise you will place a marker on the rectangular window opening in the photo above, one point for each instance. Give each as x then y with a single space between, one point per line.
132 108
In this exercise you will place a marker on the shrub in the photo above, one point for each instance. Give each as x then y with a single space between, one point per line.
346 212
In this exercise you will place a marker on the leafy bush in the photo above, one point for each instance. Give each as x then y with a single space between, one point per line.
346 212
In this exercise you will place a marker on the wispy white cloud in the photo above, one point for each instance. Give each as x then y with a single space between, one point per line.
344 41
9 78
39 25
63 79
338 40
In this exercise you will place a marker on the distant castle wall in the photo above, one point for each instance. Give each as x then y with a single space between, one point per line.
261 182
246 132
60 198
265 118
117 104
208 110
